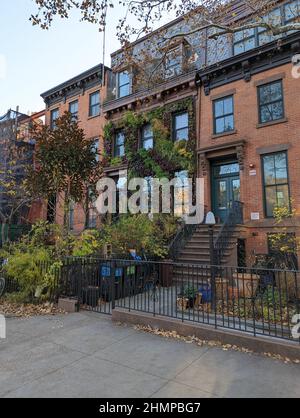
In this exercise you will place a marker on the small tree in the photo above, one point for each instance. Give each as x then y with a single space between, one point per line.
283 241
15 197
65 163
16 154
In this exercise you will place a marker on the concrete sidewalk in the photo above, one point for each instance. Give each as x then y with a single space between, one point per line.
86 355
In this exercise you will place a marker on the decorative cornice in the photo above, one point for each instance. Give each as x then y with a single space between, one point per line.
244 66
77 84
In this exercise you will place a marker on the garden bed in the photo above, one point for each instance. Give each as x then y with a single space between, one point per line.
19 310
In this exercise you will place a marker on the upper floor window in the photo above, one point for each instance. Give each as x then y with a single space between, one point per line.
119 146
73 109
223 115
147 137
264 35
292 11
243 41
123 82
54 115
270 97
181 127
173 63
94 104
276 183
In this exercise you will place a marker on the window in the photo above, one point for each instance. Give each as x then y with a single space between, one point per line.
119 148
275 178
96 147
123 79
181 193
92 211
264 35
181 127
292 11
94 104
173 63
270 98
223 115
54 115
71 214
73 109
147 137
243 41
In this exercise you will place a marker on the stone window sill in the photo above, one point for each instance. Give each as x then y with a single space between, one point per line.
273 122
215 136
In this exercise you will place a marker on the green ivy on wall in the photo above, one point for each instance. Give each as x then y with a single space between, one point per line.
167 156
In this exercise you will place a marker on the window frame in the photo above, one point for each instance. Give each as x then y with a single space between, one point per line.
223 116
74 114
52 122
71 215
174 130
276 184
243 40
116 147
119 86
258 32
144 139
92 106
259 105
96 148
179 64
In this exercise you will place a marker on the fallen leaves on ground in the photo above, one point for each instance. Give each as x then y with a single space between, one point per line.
27 310
201 343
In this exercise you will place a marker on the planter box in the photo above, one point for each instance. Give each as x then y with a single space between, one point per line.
221 288
247 284
68 305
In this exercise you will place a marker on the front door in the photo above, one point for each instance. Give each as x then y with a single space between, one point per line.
225 187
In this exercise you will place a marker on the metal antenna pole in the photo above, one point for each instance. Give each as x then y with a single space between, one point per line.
104 45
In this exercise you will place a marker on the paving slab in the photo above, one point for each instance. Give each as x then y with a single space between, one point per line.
230 373
153 354
92 378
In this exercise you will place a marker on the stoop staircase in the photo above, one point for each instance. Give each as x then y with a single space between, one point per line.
197 250
191 245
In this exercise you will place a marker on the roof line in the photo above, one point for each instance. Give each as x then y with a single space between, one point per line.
73 79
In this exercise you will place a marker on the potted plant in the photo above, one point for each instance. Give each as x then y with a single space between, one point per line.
186 298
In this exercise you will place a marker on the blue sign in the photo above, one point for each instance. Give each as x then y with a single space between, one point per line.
105 271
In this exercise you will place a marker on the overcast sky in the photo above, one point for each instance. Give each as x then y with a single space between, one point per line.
32 60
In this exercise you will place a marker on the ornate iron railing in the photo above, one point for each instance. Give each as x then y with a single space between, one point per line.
183 235
234 218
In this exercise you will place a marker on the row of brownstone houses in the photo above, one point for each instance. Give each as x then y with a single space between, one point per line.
232 108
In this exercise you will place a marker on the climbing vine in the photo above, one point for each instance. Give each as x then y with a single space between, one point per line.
167 156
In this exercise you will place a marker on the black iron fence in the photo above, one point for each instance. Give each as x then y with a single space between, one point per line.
256 301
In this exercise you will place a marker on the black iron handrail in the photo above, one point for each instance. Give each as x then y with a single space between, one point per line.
234 218
184 234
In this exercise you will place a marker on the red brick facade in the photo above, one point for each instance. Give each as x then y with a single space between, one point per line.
92 126
249 142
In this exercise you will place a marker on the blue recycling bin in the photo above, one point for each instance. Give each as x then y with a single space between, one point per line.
206 291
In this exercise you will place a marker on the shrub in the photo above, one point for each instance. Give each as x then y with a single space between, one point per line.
137 232
25 269
88 244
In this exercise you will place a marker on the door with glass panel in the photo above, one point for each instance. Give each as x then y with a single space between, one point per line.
226 188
